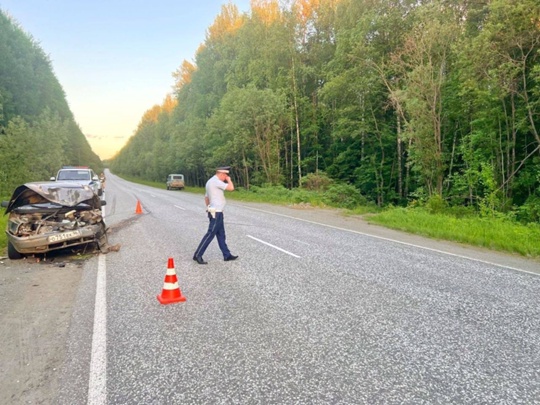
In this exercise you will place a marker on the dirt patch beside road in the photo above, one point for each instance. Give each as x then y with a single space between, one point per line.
36 301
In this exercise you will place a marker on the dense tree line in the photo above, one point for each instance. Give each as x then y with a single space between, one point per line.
38 133
406 100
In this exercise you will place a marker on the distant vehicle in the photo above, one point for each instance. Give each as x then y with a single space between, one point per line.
47 216
175 181
80 174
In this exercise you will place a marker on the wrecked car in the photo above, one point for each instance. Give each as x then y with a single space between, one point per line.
47 216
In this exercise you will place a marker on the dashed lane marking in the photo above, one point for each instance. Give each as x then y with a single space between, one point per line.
273 246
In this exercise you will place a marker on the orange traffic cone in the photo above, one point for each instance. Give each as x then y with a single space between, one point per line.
171 292
138 209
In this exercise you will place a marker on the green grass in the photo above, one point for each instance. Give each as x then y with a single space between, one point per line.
492 233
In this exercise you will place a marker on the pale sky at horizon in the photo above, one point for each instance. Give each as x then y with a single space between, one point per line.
115 58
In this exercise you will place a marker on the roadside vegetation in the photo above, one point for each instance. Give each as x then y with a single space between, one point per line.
38 133
496 233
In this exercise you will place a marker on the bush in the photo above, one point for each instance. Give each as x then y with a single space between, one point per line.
316 181
343 196
530 211
435 204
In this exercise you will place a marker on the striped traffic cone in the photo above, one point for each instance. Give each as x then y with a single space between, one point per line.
171 292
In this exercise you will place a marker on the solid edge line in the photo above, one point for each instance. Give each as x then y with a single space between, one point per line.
275 247
182 208
97 384
395 241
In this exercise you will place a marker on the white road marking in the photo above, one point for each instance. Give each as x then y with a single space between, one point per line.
275 247
395 241
97 385
180 207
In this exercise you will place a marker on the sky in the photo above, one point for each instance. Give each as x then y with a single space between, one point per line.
115 58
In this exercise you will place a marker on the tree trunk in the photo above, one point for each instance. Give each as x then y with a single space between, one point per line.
399 156
297 123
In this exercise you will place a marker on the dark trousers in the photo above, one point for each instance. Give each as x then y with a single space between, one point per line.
215 228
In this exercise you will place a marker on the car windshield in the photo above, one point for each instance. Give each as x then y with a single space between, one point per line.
74 175
177 177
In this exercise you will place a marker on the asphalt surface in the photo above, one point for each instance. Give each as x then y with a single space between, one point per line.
310 313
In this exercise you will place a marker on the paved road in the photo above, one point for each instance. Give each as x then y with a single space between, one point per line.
309 314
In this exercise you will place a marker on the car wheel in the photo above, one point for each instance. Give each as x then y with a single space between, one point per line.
168 188
12 253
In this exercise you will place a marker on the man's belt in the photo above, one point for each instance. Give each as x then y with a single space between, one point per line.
212 211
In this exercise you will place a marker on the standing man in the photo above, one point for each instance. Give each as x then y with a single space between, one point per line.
215 202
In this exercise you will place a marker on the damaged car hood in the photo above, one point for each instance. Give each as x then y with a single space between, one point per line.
61 193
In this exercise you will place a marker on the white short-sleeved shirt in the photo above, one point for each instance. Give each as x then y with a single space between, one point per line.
215 191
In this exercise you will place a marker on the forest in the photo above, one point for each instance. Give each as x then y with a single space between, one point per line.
402 101
38 133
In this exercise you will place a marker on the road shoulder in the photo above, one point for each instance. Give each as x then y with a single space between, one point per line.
37 301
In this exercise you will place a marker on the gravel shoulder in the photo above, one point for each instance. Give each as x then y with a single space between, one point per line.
37 299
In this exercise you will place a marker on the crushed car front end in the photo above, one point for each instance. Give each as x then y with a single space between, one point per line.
49 216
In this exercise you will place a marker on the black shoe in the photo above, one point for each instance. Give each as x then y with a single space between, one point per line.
199 260
231 257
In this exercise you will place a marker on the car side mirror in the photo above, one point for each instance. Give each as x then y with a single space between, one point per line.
95 178
103 202
52 179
